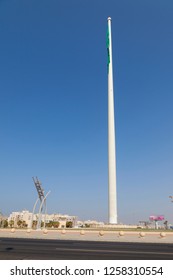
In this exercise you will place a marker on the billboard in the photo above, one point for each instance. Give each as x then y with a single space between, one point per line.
157 218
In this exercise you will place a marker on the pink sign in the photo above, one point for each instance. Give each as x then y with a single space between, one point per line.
157 218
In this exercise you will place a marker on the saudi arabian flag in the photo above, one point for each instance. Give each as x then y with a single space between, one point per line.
108 53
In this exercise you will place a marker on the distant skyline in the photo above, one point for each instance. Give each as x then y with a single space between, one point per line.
53 106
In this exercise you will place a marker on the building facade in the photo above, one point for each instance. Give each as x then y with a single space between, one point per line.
24 219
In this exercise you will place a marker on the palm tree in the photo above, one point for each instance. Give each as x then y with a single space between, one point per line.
55 224
49 224
5 223
34 224
69 224
19 223
11 223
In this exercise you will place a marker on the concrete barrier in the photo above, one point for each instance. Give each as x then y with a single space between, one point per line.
121 233
142 234
101 233
82 232
13 230
162 234
45 231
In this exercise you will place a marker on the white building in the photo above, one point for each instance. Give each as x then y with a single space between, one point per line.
26 217
90 223
62 219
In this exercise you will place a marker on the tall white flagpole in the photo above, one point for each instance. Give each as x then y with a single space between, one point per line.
111 135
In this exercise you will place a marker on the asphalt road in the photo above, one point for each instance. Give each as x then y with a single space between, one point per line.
37 249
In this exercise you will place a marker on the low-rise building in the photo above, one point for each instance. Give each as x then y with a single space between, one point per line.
90 223
24 219
24 216
62 219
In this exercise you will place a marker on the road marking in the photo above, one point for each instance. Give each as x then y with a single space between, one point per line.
113 251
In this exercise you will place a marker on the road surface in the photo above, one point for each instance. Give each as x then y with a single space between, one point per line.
34 249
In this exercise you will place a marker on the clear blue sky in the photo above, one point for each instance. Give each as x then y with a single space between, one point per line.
53 106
